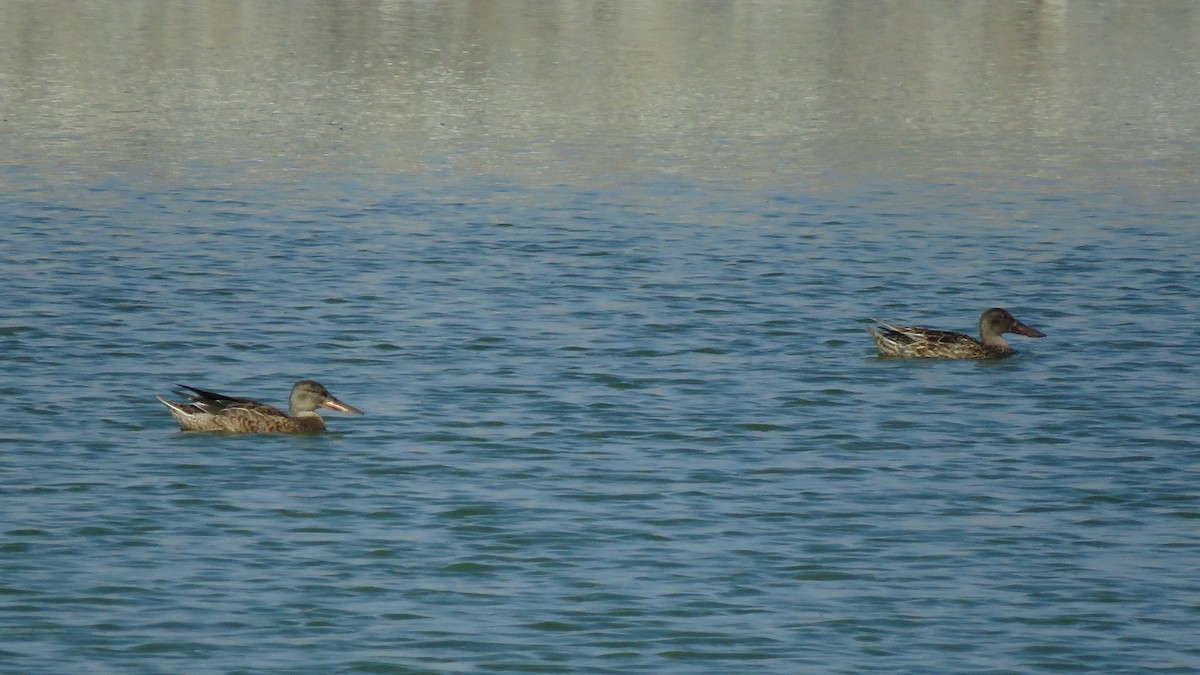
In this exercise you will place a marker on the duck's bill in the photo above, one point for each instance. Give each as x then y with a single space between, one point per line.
334 404
1022 329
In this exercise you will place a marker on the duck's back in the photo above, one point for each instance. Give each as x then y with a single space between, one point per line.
917 342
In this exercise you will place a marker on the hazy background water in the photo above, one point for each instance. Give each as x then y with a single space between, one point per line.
597 272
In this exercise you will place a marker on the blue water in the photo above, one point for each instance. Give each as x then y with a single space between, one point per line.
622 414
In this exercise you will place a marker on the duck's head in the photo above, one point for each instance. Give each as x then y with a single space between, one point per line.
997 321
308 395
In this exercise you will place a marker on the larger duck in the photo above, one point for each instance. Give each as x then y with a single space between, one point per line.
916 342
210 411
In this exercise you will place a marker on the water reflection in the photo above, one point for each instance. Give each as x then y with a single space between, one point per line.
767 90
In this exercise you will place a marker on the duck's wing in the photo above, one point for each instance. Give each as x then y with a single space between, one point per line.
217 404
918 334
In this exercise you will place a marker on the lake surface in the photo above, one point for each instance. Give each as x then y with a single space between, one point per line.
598 274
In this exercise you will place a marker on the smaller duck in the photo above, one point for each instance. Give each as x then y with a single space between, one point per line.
210 411
914 342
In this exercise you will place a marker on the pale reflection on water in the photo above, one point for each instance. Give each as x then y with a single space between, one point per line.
771 91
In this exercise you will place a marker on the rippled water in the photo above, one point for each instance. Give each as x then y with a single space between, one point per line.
622 414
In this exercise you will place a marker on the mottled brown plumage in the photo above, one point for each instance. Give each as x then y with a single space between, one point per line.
914 342
210 411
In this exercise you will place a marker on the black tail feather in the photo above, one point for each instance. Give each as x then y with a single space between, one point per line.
203 395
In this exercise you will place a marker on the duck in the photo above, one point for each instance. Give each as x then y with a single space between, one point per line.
930 343
210 411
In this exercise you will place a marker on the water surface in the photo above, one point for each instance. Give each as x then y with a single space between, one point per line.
598 274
